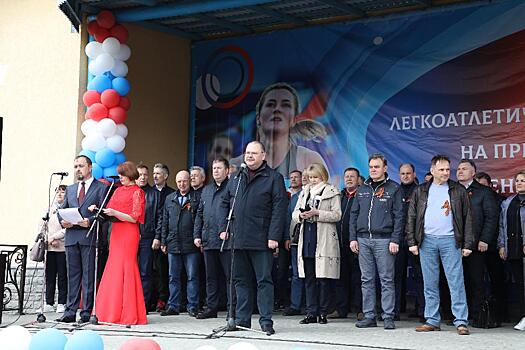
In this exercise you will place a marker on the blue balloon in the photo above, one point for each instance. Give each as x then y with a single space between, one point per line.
120 158
100 83
48 339
109 75
97 171
110 171
88 153
91 84
105 157
85 340
121 85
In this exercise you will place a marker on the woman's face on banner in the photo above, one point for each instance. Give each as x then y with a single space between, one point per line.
277 112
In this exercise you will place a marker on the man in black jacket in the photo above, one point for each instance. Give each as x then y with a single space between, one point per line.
149 231
485 214
178 219
439 226
376 224
206 237
259 217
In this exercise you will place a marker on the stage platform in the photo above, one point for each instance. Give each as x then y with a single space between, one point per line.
184 332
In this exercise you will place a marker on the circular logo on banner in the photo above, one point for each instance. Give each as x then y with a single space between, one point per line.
227 77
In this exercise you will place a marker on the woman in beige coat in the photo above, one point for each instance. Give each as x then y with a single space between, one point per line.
318 209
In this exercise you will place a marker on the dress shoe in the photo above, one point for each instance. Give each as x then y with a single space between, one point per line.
169 312
67 319
192 313
366 323
463 330
425 327
84 319
268 329
289 311
206 314
388 323
322 319
308 319
521 325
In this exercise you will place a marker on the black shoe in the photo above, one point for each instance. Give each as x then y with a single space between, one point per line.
289 311
66 319
169 312
322 319
192 313
206 314
84 319
309 319
389 323
366 323
268 328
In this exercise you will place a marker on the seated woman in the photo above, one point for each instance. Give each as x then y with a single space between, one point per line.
120 298
318 209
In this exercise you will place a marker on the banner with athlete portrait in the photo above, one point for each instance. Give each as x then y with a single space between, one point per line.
450 82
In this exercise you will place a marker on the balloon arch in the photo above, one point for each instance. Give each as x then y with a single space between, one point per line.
106 96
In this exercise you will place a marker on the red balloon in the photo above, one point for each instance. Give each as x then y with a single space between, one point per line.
140 344
110 98
118 114
92 27
101 34
106 19
120 32
125 103
90 97
97 112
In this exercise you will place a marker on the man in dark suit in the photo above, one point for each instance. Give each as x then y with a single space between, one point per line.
80 250
258 226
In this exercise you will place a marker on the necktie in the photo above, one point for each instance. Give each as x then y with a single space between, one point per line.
82 193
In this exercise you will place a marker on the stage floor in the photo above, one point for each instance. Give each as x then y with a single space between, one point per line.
184 332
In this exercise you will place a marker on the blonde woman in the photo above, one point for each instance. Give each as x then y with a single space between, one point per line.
318 210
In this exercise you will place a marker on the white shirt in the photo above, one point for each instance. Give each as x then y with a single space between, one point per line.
87 182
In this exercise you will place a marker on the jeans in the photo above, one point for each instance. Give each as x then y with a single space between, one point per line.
145 257
250 266
432 249
191 265
375 258
297 289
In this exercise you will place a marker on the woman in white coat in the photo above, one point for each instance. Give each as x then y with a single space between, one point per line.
318 209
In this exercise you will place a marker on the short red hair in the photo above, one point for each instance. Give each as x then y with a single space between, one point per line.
129 170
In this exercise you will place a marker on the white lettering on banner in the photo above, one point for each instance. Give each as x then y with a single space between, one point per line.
467 152
507 187
459 119
496 152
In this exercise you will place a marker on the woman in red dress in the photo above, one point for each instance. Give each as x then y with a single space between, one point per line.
120 298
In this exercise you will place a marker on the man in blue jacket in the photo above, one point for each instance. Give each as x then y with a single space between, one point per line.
376 224
259 217
206 237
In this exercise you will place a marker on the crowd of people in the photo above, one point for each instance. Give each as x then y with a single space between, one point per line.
312 249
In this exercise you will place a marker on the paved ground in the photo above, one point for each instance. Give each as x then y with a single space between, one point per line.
183 332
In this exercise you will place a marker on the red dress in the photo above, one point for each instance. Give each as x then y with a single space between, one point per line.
120 298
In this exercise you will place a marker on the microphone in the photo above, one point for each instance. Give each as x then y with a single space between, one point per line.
243 167
114 177
62 173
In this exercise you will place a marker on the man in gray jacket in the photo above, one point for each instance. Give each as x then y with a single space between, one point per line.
376 223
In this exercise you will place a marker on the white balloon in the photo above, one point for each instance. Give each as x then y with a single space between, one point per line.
243 346
15 338
94 69
120 69
122 130
88 126
94 142
105 62
124 53
106 127
111 45
116 143
93 49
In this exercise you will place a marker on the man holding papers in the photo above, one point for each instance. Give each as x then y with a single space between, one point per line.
80 250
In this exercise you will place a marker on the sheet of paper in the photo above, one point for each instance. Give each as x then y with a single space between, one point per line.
71 214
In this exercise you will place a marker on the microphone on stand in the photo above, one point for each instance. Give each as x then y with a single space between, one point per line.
62 173
114 177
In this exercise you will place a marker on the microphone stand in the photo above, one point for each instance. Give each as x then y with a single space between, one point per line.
230 323
41 318
93 319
